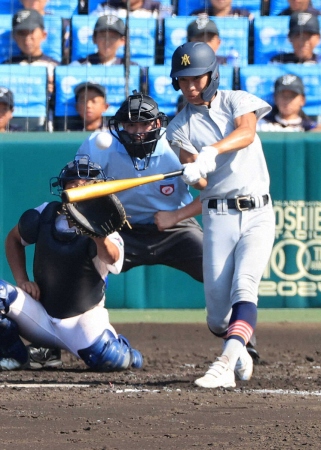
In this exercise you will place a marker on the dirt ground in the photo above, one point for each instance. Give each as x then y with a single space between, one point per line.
159 407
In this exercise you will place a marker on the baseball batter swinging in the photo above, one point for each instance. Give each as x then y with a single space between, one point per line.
215 138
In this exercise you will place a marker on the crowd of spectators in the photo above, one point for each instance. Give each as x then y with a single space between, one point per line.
110 35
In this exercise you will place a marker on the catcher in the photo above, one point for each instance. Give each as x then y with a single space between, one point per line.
64 306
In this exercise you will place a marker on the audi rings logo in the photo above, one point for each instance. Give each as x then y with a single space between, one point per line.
292 259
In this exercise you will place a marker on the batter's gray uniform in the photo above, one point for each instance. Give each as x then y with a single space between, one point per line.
237 245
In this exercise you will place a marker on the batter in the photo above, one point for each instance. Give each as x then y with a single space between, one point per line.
214 137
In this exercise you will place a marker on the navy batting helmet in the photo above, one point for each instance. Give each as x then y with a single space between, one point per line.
138 108
193 59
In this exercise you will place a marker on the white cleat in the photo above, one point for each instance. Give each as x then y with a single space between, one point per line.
218 375
11 364
244 366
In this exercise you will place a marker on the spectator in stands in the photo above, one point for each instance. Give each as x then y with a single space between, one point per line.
6 110
299 6
287 113
38 5
222 8
91 105
204 29
29 32
304 35
138 8
109 35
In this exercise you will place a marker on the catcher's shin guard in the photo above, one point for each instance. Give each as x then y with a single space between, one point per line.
111 354
13 352
8 294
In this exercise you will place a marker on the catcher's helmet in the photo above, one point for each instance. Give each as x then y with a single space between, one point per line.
138 108
81 168
193 59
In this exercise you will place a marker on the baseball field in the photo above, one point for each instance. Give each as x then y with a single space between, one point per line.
159 407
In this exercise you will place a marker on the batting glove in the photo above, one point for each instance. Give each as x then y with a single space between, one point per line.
191 174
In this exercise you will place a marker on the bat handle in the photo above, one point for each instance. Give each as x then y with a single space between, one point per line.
174 174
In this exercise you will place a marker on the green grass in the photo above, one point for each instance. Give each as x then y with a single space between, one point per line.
198 315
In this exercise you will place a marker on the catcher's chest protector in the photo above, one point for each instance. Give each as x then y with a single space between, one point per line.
68 280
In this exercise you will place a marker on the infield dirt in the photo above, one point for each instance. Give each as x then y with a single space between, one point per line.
159 408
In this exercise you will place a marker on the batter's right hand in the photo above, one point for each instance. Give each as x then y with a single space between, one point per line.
31 288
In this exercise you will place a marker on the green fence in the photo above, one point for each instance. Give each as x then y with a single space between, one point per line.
293 276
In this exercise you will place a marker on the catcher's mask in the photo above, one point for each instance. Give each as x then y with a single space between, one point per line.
138 108
193 59
81 168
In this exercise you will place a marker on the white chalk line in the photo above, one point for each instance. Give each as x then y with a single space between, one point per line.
112 389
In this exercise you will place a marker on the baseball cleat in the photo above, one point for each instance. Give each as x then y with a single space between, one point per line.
218 375
44 358
12 364
253 353
244 366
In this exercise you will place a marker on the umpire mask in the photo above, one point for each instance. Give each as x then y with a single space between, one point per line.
138 108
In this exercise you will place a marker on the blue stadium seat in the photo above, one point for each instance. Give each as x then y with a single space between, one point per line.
61 8
92 4
259 81
112 77
52 46
276 6
161 89
142 39
185 7
234 32
29 87
271 35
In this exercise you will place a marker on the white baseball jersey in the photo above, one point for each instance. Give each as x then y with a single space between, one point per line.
197 126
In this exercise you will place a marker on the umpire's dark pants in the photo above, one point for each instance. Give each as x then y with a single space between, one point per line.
180 247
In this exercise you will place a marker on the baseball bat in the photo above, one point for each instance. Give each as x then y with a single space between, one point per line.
89 191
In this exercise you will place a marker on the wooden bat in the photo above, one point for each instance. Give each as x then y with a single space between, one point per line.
86 192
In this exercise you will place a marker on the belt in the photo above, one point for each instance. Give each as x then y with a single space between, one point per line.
241 203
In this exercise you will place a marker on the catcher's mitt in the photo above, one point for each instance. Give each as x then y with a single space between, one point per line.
97 217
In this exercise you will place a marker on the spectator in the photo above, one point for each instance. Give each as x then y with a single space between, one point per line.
38 5
6 110
109 35
304 35
287 113
29 32
91 105
138 8
299 6
204 29
221 8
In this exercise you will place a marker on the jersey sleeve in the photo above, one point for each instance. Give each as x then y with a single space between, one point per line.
178 136
28 226
244 103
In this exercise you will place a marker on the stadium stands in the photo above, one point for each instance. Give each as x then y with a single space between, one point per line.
271 37
142 39
29 87
52 46
234 33
112 77
259 81
152 43
185 8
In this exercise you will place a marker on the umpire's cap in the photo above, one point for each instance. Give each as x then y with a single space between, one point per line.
193 59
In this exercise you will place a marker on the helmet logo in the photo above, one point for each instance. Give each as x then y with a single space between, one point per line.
185 60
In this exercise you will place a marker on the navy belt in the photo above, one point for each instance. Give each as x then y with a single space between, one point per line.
241 203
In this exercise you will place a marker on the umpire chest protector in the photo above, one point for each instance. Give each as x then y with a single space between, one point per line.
63 267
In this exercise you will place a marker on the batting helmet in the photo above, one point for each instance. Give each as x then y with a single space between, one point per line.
138 108
81 168
193 59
